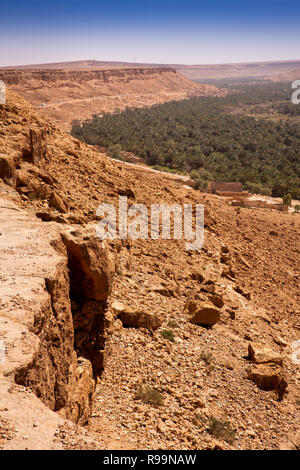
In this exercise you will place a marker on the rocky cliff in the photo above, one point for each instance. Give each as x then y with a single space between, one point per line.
69 94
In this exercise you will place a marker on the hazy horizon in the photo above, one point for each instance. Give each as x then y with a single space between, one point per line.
166 32
153 63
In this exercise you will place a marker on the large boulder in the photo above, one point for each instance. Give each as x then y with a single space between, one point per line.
92 264
203 313
135 318
260 354
268 377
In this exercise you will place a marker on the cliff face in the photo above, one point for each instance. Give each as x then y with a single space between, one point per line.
68 94
19 77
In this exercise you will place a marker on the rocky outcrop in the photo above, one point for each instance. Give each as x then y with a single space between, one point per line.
260 354
267 371
184 362
92 263
48 350
19 76
202 313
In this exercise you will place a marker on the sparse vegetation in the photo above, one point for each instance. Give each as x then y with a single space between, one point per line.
287 199
221 430
150 395
168 334
207 357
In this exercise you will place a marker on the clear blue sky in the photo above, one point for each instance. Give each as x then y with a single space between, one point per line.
185 31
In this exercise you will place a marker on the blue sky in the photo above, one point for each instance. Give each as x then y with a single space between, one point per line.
190 31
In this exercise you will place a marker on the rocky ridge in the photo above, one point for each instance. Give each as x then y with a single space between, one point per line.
66 94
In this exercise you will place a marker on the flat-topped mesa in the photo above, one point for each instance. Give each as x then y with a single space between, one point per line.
18 76
68 94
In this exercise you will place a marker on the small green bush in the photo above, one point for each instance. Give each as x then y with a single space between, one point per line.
168 334
287 199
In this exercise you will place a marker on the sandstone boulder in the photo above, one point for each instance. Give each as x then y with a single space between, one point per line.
268 377
261 355
57 203
217 300
135 318
203 313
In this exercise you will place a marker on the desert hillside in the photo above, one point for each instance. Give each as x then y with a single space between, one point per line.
137 344
68 94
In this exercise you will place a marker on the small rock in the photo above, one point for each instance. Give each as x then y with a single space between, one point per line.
57 203
217 300
241 291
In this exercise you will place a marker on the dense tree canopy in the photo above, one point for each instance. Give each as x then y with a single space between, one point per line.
206 138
